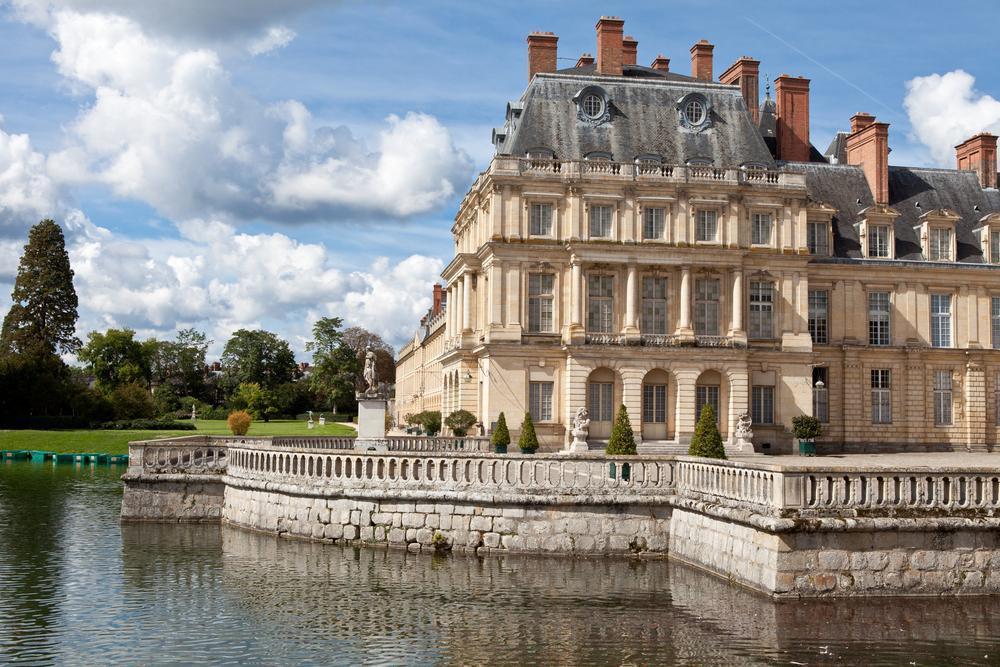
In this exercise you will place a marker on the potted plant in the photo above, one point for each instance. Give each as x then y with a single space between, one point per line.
460 421
707 441
621 442
528 441
501 435
806 428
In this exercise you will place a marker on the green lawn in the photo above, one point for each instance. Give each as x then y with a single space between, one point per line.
116 442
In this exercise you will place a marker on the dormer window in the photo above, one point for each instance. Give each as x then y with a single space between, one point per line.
936 230
540 154
694 111
593 105
988 231
876 232
939 244
878 241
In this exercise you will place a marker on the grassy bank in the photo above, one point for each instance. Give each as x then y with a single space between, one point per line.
116 442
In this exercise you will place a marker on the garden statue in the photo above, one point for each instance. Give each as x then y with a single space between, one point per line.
744 434
580 431
369 372
194 412
322 419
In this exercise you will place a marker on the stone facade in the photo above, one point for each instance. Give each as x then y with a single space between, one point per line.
469 527
597 264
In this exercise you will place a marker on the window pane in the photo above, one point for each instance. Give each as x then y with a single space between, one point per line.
881 381
819 307
760 229
707 225
654 403
995 247
540 299
762 404
600 394
995 321
942 398
940 320
600 303
706 307
879 304
653 223
540 220
540 401
878 241
940 242
600 221
816 238
761 309
707 394
654 305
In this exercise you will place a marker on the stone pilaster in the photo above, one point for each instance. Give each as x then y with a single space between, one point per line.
975 404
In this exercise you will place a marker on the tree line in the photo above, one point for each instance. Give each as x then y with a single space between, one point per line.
119 377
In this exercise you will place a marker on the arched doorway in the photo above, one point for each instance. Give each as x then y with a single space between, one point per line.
712 389
601 402
656 395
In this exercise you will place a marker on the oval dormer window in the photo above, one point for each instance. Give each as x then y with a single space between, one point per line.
694 112
593 105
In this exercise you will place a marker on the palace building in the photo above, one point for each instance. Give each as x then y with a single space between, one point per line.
665 241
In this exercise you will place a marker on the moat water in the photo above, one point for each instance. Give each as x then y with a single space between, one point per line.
78 588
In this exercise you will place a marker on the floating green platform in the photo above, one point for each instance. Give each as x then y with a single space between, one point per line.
15 454
40 456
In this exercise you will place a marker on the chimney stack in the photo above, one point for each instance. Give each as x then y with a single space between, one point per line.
585 59
868 148
661 63
792 115
436 308
745 73
979 154
630 50
701 60
609 45
541 53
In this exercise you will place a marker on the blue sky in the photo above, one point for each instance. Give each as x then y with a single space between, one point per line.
323 147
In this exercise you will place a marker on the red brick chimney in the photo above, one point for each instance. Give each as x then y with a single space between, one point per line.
792 111
701 60
541 53
745 73
585 59
630 50
436 308
979 154
609 45
661 63
868 148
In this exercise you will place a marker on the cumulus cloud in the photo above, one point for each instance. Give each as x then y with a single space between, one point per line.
27 193
276 37
946 109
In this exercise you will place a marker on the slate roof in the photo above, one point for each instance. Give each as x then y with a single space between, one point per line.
644 121
839 186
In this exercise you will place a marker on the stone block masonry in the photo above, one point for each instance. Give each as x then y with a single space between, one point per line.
481 528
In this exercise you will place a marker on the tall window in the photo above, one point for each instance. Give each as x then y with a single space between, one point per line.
653 222
940 245
995 322
878 241
994 247
817 238
707 225
654 305
821 394
654 403
761 309
540 220
760 229
540 401
881 396
600 221
706 306
541 287
879 322
599 401
600 303
762 404
942 398
819 316
940 320
706 394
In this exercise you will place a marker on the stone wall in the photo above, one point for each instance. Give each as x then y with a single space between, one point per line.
174 498
472 527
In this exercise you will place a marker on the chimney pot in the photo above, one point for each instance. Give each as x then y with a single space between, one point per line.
438 291
541 53
792 116
661 63
745 73
978 153
609 45
701 60
861 120
630 50
585 59
868 147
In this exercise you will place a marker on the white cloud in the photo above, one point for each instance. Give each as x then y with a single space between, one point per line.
946 109
27 193
276 37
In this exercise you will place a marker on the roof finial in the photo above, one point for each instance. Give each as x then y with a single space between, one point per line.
767 87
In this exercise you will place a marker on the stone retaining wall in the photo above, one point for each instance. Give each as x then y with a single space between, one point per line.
173 498
476 527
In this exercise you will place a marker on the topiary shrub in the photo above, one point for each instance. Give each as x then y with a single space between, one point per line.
501 436
707 441
460 421
622 440
239 422
805 427
528 440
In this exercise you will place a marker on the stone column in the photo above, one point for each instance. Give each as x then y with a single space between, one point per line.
631 300
452 310
684 420
496 294
467 302
576 289
737 321
684 328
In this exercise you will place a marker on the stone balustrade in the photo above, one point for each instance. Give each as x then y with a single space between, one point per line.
647 172
193 455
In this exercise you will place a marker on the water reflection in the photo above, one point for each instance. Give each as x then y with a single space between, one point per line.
77 588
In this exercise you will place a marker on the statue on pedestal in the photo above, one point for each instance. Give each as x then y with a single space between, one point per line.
369 375
194 412
580 431
744 434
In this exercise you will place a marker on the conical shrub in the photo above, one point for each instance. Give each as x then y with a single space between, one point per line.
622 440
528 441
707 441
501 435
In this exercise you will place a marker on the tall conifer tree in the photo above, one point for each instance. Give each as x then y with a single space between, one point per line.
42 318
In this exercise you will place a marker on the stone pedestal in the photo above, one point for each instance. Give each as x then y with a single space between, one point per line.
371 425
